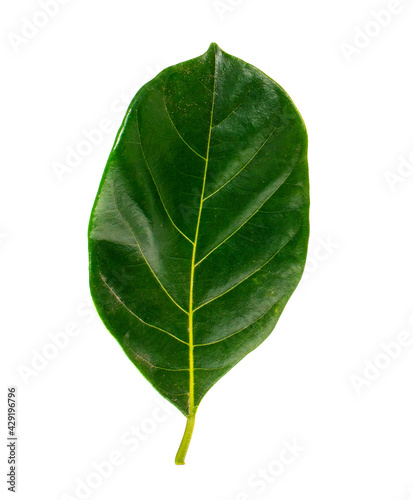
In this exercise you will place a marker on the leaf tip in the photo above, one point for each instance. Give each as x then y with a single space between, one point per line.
214 48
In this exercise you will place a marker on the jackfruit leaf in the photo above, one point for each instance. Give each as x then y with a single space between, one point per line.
198 235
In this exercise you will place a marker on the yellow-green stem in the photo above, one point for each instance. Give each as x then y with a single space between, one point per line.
183 448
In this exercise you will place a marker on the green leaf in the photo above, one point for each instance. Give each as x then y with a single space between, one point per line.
198 235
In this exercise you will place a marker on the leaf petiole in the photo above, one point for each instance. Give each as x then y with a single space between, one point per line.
186 439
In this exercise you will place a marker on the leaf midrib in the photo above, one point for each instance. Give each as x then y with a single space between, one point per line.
191 408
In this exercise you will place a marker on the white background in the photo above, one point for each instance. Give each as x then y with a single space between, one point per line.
83 66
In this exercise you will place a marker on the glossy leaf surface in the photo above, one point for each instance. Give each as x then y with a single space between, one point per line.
199 232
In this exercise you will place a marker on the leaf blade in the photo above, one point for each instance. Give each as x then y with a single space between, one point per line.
203 210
